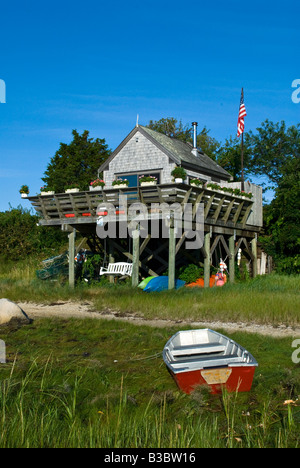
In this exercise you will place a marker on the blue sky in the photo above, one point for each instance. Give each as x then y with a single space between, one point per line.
95 65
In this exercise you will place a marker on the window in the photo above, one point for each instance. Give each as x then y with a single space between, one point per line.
133 179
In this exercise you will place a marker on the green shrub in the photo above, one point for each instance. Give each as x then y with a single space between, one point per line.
191 273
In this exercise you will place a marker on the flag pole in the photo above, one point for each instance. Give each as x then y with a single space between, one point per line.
242 163
242 154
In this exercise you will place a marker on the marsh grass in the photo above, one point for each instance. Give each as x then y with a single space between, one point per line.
272 299
85 383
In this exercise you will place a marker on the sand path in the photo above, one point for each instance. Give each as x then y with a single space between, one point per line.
87 310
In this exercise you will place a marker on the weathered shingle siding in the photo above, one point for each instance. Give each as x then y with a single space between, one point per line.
139 154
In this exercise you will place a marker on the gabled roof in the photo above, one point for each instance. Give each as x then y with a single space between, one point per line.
178 151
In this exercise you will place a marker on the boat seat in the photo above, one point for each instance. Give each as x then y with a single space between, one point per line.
207 362
207 348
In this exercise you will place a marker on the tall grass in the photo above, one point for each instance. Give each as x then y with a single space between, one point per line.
271 299
77 383
33 415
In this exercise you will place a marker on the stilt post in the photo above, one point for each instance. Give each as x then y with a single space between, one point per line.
254 252
207 260
231 260
111 259
135 256
172 254
72 237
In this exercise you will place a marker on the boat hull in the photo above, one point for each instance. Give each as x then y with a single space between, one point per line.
233 379
207 358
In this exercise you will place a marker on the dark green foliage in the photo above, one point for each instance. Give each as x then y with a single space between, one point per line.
20 236
170 127
282 218
190 273
271 149
174 129
77 162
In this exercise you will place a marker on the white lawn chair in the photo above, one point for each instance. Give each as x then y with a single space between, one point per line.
117 269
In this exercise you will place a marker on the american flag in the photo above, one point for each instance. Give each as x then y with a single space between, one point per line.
242 114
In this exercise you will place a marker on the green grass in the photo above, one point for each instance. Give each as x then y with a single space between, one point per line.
272 299
87 383
94 383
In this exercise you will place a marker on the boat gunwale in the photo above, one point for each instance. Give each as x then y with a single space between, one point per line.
186 366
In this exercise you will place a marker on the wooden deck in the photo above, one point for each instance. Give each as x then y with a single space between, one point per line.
82 208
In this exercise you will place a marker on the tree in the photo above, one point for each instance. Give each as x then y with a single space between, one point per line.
271 148
282 220
169 126
172 128
229 157
20 236
77 162
208 144
283 214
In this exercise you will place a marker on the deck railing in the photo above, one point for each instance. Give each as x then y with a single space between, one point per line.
220 208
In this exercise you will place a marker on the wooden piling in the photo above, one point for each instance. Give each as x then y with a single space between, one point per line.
72 237
231 259
207 260
172 254
254 260
135 256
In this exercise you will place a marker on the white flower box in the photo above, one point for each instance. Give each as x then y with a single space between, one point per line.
47 193
98 187
148 184
72 190
116 186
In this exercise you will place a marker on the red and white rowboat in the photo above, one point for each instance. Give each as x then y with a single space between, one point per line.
205 357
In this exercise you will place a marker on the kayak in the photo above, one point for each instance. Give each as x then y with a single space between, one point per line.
161 283
145 281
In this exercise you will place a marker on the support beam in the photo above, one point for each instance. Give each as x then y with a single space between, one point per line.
111 258
207 260
72 237
129 256
172 254
135 257
231 260
254 259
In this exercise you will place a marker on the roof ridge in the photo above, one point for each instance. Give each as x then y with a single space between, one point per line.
184 153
